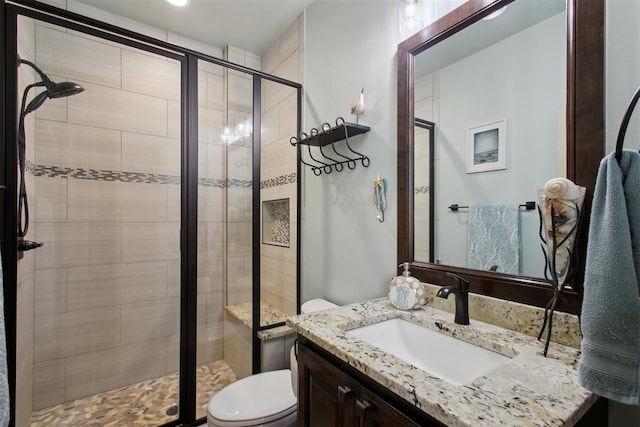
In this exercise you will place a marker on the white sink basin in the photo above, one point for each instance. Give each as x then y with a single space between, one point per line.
450 359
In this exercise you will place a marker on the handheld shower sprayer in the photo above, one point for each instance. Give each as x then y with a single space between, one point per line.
52 90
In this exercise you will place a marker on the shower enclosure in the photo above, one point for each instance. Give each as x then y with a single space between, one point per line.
156 194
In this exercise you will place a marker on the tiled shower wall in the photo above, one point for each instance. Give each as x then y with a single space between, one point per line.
26 266
107 208
279 163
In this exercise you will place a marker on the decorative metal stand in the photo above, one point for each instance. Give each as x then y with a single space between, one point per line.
558 245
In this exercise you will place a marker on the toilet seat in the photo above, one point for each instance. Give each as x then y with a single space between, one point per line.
231 408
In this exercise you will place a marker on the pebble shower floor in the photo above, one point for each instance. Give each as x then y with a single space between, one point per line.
143 404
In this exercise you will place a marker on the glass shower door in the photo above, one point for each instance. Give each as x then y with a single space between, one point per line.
103 177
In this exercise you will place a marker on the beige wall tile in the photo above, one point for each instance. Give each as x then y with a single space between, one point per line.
67 244
51 291
173 277
210 67
77 58
150 154
252 61
24 401
239 280
118 109
106 201
49 381
173 120
50 199
25 327
105 285
65 334
271 59
215 307
179 40
163 82
215 93
239 202
234 55
214 239
273 92
211 160
147 242
174 202
53 109
270 127
210 274
69 145
279 159
144 321
210 345
272 354
237 346
211 203
92 373
289 41
238 239
239 162
210 125
240 93
288 115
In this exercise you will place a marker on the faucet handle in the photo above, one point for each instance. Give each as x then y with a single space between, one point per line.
461 283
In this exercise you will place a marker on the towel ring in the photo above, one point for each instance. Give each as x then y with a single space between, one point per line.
625 123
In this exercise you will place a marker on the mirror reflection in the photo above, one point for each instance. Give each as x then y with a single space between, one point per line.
496 92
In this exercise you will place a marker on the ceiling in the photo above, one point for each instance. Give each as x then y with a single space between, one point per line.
252 25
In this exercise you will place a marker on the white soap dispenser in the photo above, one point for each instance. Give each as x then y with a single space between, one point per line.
406 292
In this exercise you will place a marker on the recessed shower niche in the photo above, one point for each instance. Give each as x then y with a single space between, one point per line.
276 222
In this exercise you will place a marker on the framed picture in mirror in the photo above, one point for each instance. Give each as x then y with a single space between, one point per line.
487 147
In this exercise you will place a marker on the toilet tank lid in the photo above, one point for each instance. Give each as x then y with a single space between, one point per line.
316 304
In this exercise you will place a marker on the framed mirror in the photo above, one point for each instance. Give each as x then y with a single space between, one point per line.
479 89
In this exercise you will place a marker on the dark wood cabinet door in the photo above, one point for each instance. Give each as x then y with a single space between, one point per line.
373 411
326 396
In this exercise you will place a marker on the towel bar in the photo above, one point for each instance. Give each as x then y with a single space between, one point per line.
527 205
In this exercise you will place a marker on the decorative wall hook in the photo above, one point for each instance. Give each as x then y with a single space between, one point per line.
329 136
380 196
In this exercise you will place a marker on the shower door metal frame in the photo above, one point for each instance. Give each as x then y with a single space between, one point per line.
9 11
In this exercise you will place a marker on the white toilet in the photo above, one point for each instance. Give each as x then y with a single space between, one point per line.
266 399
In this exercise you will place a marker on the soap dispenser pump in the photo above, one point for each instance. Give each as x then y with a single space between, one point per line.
406 292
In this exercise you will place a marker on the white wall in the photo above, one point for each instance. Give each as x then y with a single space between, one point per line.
622 71
347 255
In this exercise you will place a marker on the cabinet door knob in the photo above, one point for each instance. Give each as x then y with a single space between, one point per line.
344 392
362 407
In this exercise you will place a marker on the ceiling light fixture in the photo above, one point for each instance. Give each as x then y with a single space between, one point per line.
179 3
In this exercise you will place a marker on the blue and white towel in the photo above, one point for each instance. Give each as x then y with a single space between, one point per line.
494 238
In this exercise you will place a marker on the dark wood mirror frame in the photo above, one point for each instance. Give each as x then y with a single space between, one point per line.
585 141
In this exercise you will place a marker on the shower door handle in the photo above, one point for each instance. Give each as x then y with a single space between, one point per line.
27 245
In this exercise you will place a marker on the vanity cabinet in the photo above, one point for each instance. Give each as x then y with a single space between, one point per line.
331 393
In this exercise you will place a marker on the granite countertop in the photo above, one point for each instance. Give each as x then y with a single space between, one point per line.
529 390
268 316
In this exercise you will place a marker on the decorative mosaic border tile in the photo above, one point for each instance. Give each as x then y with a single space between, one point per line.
149 178
279 181
423 189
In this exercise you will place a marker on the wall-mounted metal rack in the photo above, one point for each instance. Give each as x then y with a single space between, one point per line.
328 136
